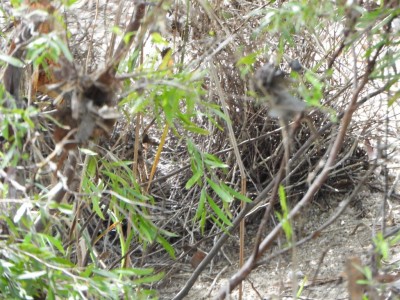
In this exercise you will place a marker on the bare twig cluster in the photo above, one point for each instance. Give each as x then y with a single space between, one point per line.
331 140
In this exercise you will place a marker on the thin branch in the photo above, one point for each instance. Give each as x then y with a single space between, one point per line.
235 280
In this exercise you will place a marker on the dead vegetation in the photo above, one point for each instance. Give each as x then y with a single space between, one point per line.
346 75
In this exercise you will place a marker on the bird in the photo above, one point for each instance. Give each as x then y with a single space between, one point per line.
272 85
296 66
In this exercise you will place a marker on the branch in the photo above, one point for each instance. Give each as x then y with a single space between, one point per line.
130 34
250 264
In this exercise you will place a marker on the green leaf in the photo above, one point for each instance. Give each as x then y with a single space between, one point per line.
167 246
96 206
158 39
286 226
282 198
196 129
53 241
218 211
248 59
69 2
12 61
91 167
116 30
88 152
116 178
127 37
203 220
225 196
194 179
146 231
64 48
134 271
393 99
214 161
301 288
222 116
105 274
63 261
21 212
64 208
236 194
200 207
31 275
87 271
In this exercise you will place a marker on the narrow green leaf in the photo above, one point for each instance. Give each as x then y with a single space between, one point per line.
105 274
64 208
236 194
146 231
87 271
218 211
194 179
21 212
31 275
200 207
88 152
96 206
214 161
248 59
158 39
196 129
167 233
225 196
282 198
12 61
149 279
64 49
394 99
301 288
53 241
134 271
63 261
167 246
203 220
287 228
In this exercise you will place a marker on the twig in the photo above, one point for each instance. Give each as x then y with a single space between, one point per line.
215 281
261 197
239 161
125 44
315 186
41 222
316 233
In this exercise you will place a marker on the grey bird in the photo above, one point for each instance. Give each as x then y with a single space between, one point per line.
271 84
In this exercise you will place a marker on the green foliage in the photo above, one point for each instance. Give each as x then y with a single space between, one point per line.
69 2
16 3
34 268
292 18
245 63
283 217
11 60
15 124
203 166
178 95
301 287
314 94
44 265
38 265
382 246
176 99
126 202
47 47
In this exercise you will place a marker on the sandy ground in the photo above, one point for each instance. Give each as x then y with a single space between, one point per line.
319 264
